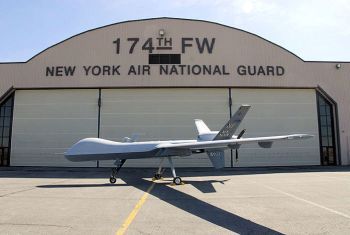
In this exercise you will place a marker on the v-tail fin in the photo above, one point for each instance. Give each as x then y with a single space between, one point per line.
202 128
231 126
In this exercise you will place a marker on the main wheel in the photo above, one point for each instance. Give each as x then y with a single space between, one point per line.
157 176
177 180
112 180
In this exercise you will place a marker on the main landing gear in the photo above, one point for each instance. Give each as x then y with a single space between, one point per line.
176 180
157 176
115 170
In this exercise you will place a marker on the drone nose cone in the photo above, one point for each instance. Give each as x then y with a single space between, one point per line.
69 157
73 152
69 154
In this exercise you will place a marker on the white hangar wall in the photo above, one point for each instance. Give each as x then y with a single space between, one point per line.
47 122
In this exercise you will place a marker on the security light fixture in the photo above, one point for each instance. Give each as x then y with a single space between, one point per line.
338 66
161 32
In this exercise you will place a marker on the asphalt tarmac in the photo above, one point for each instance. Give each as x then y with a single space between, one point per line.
274 200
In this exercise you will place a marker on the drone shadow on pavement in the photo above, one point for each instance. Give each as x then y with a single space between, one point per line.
204 210
169 194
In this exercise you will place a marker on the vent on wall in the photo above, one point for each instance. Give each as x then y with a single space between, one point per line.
164 59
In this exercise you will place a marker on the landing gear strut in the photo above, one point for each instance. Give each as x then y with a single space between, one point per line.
115 170
158 174
177 180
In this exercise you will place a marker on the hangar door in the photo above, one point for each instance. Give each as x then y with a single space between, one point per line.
279 112
162 114
47 122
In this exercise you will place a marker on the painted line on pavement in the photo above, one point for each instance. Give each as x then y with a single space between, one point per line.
306 201
134 212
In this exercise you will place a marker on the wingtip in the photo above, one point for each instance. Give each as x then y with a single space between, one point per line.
300 136
247 106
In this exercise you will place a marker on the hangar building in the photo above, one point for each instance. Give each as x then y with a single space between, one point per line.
154 76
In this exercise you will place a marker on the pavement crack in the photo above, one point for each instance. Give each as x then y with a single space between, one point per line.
42 225
28 189
20 191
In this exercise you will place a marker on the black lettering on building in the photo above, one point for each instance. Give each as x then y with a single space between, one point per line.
139 70
185 43
59 71
205 44
270 71
251 70
173 70
86 69
279 70
261 71
224 72
115 70
106 70
132 70
206 69
164 43
241 70
163 69
146 70
196 69
182 67
50 71
217 70
255 70
96 70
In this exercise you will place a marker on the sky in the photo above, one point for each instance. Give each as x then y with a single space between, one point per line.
315 30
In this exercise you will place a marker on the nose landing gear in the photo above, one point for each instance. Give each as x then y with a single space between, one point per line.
112 180
119 164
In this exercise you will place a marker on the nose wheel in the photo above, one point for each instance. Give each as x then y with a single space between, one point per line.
112 180
115 171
